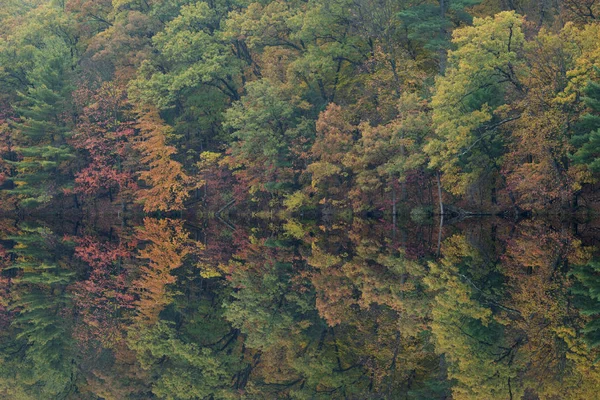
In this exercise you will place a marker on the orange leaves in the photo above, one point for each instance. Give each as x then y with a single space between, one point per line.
169 185
167 248
334 135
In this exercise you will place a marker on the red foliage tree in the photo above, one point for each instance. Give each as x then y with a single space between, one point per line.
103 295
104 134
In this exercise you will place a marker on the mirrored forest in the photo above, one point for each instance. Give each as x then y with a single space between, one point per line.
299 199
339 309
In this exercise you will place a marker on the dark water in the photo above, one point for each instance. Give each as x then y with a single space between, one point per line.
170 309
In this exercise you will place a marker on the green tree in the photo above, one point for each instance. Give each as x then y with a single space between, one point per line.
587 299
587 131
40 350
44 68
484 69
195 74
265 124
429 24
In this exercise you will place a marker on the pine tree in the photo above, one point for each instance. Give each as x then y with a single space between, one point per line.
587 299
430 23
42 365
587 131
41 132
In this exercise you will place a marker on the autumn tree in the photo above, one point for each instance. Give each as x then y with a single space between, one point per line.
167 247
537 168
167 185
468 105
330 177
105 133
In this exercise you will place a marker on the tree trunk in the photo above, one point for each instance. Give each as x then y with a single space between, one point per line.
439 186
394 211
439 243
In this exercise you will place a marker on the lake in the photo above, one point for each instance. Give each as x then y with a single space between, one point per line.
240 308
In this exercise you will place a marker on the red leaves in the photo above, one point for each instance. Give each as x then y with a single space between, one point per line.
104 294
104 133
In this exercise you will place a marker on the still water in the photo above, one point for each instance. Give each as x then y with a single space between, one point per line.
173 309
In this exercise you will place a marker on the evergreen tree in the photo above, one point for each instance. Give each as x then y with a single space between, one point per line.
587 299
38 349
587 131
44 112
430 23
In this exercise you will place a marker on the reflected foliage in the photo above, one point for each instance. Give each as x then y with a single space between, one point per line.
299 310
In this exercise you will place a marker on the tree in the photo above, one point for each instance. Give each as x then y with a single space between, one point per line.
483 71
587 131
40 134
40 348
195 74
536 167
167 247
476 347
430 23
330 178
103 297
389 155
169 185
43 52
265 124
105 133
587 300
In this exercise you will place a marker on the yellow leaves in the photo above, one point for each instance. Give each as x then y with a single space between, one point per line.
321 259
536 170
294 229
588 46
497 31
168 245
580 254
484 64
296 200
322 170
208 271
118 4
209 158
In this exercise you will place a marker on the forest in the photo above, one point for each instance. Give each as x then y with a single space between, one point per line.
354 106
299 199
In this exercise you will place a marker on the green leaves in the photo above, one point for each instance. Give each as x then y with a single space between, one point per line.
484 67
587 137
43 58
192 54
187 371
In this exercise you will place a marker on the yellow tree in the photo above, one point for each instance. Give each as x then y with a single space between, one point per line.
537 167
484 72
477 350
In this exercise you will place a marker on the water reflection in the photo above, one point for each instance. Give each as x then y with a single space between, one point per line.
302 310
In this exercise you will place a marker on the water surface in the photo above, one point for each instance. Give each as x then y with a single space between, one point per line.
173 309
